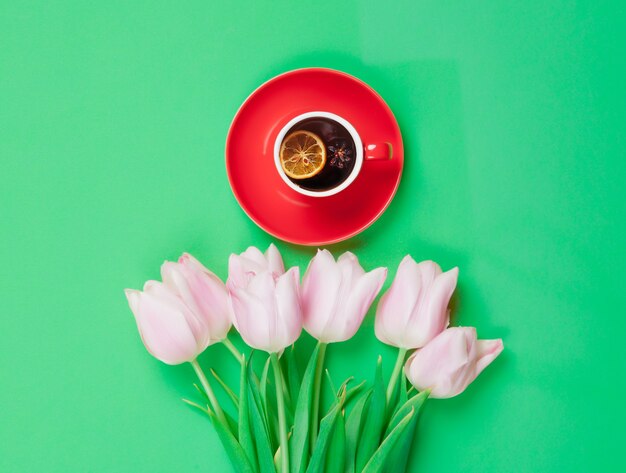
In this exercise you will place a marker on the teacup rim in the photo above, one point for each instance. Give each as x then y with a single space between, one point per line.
358 143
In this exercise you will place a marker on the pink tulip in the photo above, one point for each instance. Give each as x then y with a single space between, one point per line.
451 361
337 295
415 308
267 310
169 329
251 262
202 291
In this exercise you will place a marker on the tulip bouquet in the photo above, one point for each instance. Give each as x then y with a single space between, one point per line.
278 422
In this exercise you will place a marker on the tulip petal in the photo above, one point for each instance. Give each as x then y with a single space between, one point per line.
288 308
451 361
351 270
429 271
487 350
236 273
336 319
192 263
164 331
132 296
262 286
398 304
320 287
254 255
203 292
414 309
357 304
240 270
262 289
252 319
244 266
274 260
436 313
163 294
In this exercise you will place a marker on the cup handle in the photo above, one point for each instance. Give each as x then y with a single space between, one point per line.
378 151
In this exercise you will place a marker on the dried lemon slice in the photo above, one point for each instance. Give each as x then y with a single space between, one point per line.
302 154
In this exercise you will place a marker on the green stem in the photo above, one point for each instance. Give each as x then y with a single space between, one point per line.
317 387
233 349
238 356
396 372
209 392
282 421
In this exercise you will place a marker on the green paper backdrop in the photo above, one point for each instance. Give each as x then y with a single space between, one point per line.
113 117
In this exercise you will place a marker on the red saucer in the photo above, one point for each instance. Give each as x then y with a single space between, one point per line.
268 200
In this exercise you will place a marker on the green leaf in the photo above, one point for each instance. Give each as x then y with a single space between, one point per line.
398 396
347 394
393 401
400 453
336 454
397 401
231 422
256 395
321 446
415 404
399 456
299 442
354 424
332 387
245 433
344 386
205 410
354 391
277 457
231 395
374 422
260 430
233 449
260 423
202 393
404 395
293 374
270 414
264 380
234 428
289 403
378 460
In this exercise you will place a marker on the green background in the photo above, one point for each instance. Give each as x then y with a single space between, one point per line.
113 117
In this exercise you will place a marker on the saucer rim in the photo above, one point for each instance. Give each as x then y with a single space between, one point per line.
298 241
